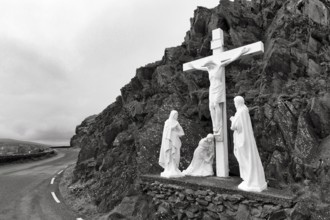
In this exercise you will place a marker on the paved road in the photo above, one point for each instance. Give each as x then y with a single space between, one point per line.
25 189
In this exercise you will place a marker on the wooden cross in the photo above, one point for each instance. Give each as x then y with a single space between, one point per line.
222 166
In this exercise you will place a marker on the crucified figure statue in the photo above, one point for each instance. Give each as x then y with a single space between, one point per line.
215 66
217 93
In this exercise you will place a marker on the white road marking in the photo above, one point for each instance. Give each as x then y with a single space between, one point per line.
60 172
52 182
80 219
55 198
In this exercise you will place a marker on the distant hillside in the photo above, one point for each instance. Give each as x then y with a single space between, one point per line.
13 141
14 147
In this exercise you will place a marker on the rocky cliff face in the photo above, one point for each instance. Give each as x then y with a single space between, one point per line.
287 90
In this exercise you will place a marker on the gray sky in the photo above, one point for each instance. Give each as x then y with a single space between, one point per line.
63 60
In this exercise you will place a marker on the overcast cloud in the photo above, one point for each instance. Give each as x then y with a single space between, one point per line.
63 60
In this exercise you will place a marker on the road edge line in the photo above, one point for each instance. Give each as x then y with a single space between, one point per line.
55 197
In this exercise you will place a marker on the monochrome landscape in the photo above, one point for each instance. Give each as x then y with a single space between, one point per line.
231 123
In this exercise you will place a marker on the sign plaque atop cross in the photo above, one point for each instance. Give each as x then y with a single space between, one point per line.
221 57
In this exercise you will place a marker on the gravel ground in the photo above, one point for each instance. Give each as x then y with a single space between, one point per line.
76 196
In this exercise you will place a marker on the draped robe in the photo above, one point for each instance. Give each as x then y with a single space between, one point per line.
169 157
246 152
201 164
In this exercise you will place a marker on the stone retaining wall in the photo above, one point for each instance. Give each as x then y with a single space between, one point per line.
177 202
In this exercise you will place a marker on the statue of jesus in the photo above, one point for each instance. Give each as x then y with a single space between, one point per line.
217 90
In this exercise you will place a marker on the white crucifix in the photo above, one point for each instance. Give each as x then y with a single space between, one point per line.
215 66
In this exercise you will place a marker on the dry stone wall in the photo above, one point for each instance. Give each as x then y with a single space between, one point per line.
179 202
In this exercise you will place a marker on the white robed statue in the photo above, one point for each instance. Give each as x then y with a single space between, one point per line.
245 149
201 164
169 157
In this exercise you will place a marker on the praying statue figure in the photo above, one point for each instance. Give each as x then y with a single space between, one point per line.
245 149
201 164
217 89
169 157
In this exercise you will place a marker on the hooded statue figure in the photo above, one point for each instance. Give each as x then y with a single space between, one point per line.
245 149
169 157
201 164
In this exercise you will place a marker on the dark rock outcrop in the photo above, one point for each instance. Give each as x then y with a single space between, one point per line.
287 90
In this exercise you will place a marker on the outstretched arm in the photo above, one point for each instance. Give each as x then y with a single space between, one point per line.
198 67
243 51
